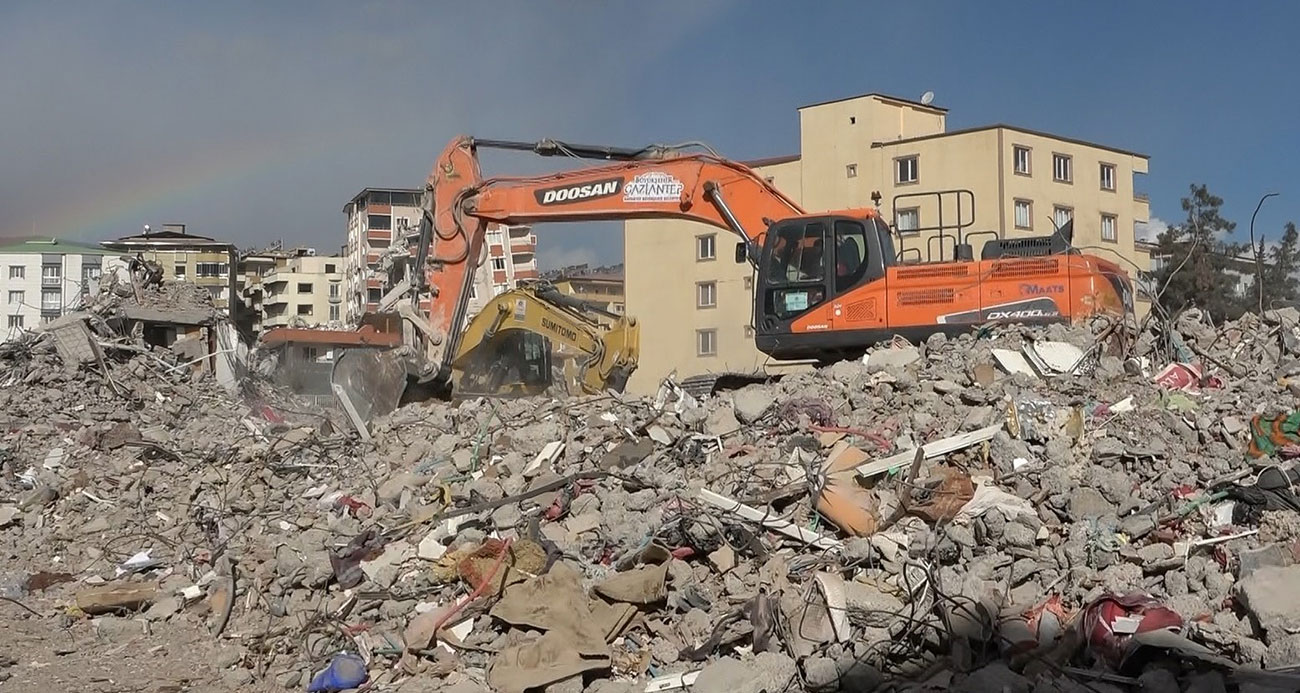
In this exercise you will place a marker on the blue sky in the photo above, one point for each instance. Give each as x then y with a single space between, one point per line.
254 121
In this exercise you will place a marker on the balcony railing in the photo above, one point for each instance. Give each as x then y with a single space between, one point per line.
1141 197
51 281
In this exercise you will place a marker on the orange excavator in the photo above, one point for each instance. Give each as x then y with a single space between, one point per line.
827 284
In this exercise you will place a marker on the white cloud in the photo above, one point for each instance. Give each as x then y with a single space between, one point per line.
1148 230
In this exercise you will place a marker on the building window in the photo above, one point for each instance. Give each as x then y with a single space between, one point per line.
1024 214
1021 156
334 289
706 342
706 247
334 313
304 287
1108 228
403 223
179 272
1108 177
16 298
209 269
305 309
91 273
906 170
15 322
379 222
1062 168
309 353
908 220
851 171
374 295
499 264
51 299
17 272
1062 216
706 295
51 275
331 269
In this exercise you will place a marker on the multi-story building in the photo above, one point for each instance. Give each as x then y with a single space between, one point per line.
511 258
603 285
383 226
279 287
185 257
893 154
304 290
41 278
380 222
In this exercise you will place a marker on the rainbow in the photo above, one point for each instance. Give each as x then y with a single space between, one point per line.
128 200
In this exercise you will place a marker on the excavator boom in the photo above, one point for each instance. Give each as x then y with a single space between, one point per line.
654 182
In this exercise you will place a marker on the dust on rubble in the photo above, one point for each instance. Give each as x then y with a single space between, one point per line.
1009 508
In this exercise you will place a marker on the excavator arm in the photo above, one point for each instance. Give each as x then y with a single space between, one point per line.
650 183
492 359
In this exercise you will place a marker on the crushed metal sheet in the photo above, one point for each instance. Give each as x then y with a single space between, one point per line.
752 514
933 449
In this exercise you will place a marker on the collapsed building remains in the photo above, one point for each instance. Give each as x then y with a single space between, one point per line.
1087 508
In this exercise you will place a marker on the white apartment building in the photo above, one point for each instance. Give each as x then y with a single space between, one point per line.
42 278
303 291
385 222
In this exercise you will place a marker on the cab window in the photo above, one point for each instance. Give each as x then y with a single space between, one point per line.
850 254
798 254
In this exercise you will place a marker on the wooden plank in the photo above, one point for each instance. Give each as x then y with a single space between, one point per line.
934 449
115 598
766 519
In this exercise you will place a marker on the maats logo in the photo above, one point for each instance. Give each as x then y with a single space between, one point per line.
653 186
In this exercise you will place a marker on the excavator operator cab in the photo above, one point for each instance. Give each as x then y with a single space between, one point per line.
807 261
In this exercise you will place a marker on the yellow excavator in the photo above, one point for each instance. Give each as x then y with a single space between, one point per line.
508 348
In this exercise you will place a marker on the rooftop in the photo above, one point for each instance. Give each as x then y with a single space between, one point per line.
611 273
1014 128
169 237
366 191
771 161
882 97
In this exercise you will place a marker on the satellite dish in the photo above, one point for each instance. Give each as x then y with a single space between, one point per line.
927 98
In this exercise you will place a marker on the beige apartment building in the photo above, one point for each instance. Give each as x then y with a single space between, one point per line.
931 184
303 291
186 257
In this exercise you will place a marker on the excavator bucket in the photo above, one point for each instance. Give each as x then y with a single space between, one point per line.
368 383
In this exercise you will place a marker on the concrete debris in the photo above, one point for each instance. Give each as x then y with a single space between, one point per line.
866 526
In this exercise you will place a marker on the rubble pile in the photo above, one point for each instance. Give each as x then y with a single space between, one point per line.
1047 509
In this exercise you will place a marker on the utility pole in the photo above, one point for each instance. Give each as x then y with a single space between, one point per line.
1258 250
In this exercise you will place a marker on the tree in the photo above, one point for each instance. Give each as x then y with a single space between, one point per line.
1281 264
1198 257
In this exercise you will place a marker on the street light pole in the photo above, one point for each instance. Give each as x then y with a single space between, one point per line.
1259 254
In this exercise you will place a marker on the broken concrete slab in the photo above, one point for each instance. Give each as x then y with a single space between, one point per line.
1268 595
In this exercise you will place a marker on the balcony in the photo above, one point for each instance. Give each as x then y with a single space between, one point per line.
527 242
54 282
1141 197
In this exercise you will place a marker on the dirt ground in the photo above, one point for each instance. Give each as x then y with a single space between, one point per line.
53 653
